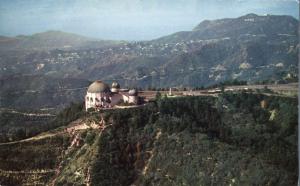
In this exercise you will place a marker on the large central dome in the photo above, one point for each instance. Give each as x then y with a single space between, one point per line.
98 87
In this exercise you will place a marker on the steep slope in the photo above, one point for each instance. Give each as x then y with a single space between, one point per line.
31 162
232 139
41 160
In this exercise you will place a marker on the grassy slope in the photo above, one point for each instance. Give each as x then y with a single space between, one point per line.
31 162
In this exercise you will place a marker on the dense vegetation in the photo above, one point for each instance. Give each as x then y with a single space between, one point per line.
255 130
273 133
237 138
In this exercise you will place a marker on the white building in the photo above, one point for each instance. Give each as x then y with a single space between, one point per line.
99 95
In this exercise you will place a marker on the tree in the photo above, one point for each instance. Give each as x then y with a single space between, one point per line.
158 96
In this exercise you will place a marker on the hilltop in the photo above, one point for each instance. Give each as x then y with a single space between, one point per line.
232 139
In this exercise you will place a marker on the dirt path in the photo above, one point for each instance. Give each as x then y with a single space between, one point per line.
70 129
73 131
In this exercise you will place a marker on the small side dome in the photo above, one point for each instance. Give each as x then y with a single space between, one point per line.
115 85
98 87
133 92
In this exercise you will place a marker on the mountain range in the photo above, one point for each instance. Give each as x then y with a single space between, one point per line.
251 48
247 25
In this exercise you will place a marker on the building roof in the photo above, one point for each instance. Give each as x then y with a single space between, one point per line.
115 85
133 92
98 87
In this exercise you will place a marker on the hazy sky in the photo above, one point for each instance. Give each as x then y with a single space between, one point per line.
126 19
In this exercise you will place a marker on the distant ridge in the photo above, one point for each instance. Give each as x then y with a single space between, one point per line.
252 24
50 40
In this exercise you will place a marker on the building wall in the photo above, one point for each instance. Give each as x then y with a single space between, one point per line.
132 99
125 98
94 100
115 99
114 90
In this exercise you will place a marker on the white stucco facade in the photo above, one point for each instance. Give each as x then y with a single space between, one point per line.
97 100
100 96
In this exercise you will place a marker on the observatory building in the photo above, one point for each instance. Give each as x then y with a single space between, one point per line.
99 95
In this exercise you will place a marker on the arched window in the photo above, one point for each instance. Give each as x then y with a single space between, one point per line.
97 100
92 100
87 98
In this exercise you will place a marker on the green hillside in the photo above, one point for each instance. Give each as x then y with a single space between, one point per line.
237 139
